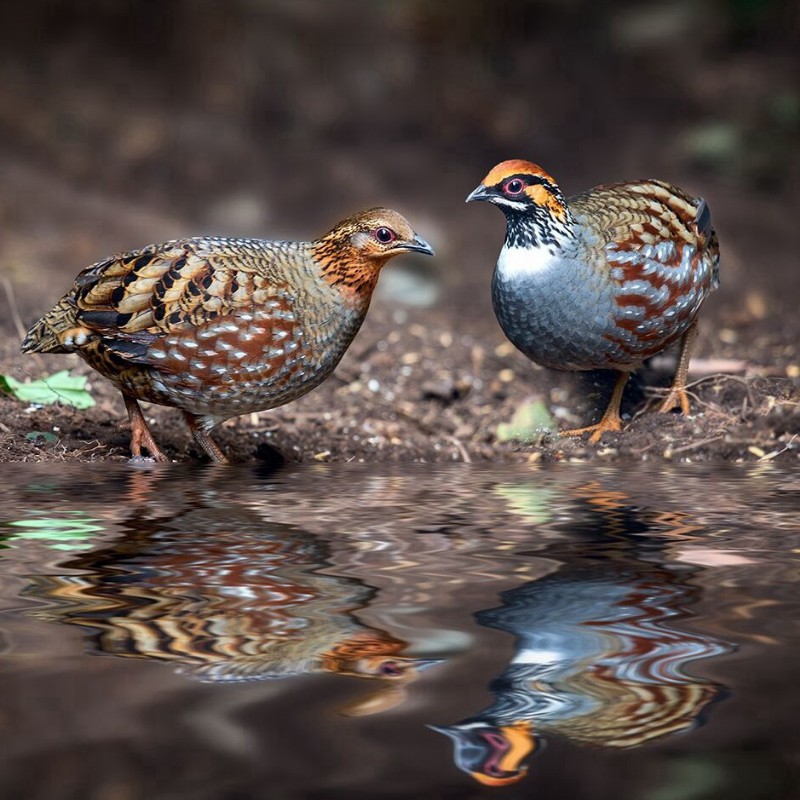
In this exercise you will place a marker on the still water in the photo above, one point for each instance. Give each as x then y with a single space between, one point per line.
392 632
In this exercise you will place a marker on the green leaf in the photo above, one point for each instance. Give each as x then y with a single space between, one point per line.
46 435
61 387
529 422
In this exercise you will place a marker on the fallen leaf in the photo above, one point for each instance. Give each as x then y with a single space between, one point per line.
46 435
527 424
60 387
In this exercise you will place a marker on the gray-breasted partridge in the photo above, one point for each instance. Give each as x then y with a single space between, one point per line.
598 660
601 280
219 327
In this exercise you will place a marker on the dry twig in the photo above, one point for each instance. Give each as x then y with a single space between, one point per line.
12 307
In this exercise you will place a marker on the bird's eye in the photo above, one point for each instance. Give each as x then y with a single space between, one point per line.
514 186
390 668
385 235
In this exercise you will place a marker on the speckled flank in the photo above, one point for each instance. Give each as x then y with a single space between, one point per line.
213 326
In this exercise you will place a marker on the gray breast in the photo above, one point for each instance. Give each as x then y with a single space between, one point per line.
559 317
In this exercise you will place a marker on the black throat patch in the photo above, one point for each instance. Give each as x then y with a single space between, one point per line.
530 228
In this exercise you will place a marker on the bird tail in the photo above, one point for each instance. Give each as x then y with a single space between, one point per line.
46 335
704 227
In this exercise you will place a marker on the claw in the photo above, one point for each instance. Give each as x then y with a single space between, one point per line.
611 420
610 423
678 396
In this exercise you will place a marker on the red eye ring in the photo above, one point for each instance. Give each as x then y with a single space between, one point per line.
384 235
514 187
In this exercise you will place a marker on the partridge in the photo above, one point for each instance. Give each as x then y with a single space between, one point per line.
597 659
603 279
218 327
246 602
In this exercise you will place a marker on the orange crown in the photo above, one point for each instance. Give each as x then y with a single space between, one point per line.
514 166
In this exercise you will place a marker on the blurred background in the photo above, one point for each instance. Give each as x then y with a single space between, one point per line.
123 123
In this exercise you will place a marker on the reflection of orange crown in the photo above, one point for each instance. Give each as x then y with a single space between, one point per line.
522 742
487 780
491 754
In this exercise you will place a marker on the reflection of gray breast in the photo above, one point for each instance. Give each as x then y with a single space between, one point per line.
579 635
556 604
552 627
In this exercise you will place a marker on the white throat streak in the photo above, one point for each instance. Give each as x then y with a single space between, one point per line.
519 262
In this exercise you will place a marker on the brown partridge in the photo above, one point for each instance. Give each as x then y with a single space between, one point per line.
601 280
220 327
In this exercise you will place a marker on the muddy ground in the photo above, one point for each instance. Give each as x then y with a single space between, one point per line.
429 385
430 377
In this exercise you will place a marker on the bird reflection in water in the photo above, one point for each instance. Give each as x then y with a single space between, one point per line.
598 656
227 596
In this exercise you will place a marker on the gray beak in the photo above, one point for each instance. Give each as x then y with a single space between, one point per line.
418 245
442 729
479 193
422 664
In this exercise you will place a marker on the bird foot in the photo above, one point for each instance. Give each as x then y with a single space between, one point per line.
676 397
606 425
140 434
203 438
142 438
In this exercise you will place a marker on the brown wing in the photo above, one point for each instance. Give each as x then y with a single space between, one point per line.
636 713
642 212
661 252
161 289
168 288
201 299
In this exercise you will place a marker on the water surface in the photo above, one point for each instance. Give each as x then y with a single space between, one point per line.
378 632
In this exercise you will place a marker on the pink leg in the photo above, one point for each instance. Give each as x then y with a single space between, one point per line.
204 440
140 433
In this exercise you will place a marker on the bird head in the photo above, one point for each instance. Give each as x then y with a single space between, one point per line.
353 252
491 754
400 669
521 187
375 654
394 674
